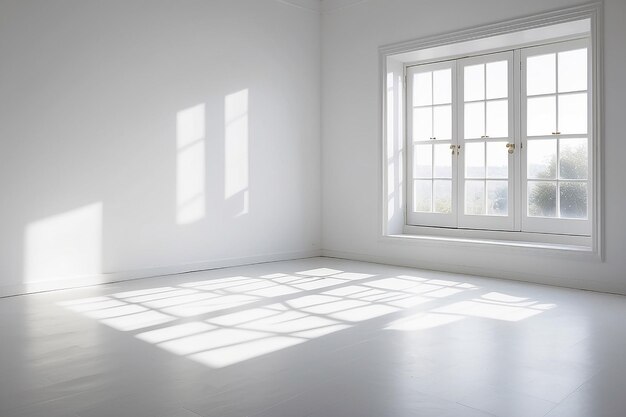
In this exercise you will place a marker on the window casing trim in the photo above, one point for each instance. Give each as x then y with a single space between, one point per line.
390 56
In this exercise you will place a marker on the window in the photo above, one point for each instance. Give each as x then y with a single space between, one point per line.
432 133
555 128
502 141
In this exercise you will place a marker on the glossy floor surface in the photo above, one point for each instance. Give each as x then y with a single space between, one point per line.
316 337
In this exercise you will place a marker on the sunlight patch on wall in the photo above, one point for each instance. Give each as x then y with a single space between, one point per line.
236 159
190 164
67 245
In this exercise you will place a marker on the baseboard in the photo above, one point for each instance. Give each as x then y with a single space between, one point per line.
478 271
107 278
86 281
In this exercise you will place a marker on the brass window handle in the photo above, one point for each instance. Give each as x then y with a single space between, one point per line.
455 148
510 147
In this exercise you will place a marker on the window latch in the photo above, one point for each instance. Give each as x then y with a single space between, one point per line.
511 147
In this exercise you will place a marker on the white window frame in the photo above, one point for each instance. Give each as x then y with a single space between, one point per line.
526 31
558 225
431 218
517 218
488 222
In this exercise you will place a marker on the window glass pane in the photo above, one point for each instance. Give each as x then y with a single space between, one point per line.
542 199
541 74
573 200
497 160
574 159
498 119
474 82
422 123
422 161
474 120
541 156
422 89
443 161
474 197
422 195
573 113
498 198
573 70
497 79
442 86
541 116
443 196
475 160
442 122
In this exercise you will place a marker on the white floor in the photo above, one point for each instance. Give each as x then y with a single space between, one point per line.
317 337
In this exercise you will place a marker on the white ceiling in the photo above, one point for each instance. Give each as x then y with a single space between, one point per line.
328 5
322 5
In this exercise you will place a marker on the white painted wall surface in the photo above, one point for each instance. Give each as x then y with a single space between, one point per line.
117 119
351 138
147 136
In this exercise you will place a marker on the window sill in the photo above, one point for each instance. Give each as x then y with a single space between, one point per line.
521 243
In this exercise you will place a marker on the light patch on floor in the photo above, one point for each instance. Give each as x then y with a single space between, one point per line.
323 336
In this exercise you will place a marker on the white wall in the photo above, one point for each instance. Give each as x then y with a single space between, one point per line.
351 138
145 136
150 136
